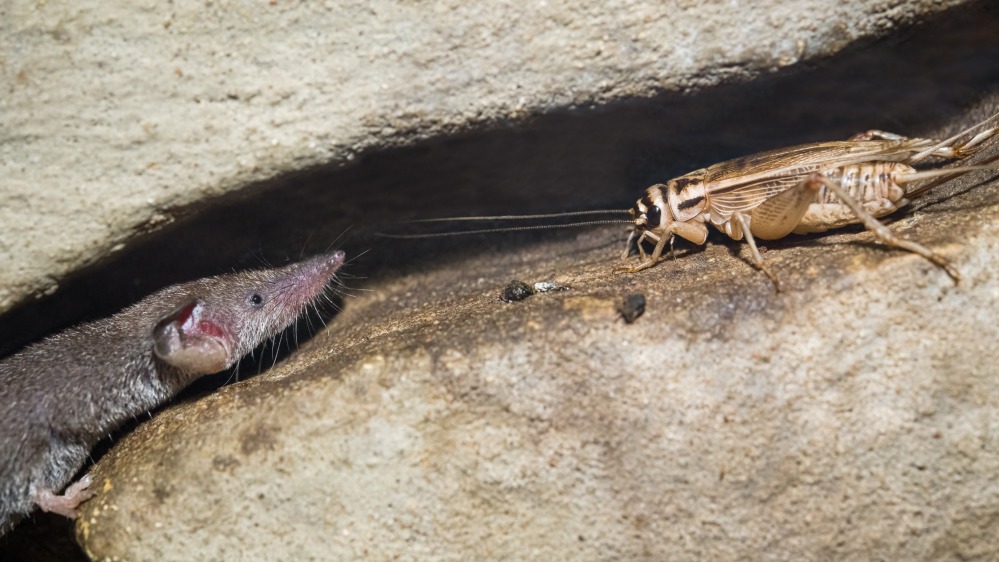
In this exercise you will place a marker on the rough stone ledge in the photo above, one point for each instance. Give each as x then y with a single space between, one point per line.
852 416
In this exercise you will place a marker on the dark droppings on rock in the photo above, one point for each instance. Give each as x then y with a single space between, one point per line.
632 307
516 291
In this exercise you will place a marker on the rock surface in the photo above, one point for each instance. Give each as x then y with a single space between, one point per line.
117 119
852 416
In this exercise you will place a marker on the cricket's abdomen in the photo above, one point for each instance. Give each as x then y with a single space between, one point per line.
872 184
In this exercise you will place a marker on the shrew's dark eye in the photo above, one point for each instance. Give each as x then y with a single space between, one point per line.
256 299
653 217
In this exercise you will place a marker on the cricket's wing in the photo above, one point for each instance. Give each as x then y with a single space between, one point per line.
742 184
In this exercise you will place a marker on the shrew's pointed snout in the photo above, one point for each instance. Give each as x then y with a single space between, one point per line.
330 263
304 280
320 267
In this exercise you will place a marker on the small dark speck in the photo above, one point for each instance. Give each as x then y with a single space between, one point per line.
632 307
224 463
162 493
516 291
262 437
61 35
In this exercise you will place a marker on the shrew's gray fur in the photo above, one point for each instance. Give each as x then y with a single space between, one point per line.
60 396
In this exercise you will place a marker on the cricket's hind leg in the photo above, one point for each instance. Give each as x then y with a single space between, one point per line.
948 148
874 134
924 147
780 215
970 147
884 234
956 150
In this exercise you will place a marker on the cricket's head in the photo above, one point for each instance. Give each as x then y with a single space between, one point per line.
223 318
650 212
678 200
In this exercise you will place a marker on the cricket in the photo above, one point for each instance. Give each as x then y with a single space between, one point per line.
802 189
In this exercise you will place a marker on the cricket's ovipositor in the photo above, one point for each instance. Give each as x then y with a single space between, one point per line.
800 189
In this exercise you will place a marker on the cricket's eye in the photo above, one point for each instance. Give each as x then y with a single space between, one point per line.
653 216
256 300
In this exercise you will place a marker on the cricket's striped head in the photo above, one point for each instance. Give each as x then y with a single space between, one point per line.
680 199
651 212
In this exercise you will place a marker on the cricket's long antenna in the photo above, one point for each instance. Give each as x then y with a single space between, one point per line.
515 217
503 229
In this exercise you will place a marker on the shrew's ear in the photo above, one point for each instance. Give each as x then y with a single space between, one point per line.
190 341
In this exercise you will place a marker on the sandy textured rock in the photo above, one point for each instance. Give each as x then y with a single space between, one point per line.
118 118
853 416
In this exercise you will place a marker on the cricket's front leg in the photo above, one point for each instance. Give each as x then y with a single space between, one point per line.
646 262
627 245
641 248
696 232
